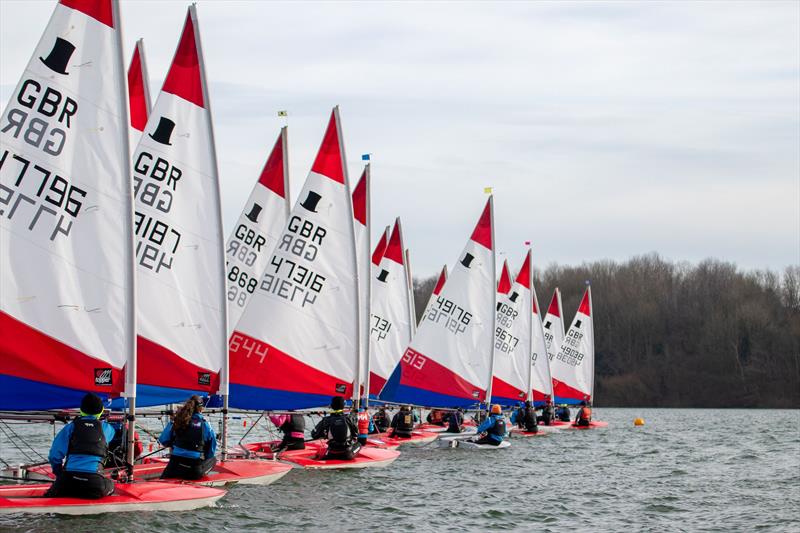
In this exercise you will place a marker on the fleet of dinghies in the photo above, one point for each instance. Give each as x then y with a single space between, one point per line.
117 279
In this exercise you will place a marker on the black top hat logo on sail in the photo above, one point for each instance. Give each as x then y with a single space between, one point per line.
467 261
311 201
547 324
59 56
382 276
514 296
163 131
254 212
577 324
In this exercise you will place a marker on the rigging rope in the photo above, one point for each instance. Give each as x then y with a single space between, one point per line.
5 428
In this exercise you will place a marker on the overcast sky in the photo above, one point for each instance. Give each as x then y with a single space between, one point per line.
606 129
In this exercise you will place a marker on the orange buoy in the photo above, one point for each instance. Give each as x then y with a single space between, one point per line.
638 422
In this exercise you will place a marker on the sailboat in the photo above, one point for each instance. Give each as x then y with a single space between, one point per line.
573 365
541 380
449 361
307 351
67 311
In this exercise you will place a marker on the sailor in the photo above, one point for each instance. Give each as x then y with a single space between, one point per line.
380 420
494 426
341 432
584 416
437 417
403 423
455 420
563 414
548 413
192 440
525 418
293 427
78 452
365 425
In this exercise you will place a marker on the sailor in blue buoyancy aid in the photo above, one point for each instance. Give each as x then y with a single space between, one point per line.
341 432
192 440
78 452
494 426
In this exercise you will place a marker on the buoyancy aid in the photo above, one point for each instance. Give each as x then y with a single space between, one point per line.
338 430
87 438
363 422
498 429
190 438
405 422
585 414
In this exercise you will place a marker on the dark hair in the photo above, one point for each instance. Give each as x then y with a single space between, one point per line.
184 413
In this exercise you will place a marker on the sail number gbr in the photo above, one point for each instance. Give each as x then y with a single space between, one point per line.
453 317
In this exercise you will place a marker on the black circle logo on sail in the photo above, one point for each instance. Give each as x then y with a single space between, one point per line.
254 212
467 261
59 56
163 131
311 201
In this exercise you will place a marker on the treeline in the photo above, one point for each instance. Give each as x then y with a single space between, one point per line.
683 335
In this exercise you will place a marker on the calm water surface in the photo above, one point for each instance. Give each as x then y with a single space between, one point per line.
685 470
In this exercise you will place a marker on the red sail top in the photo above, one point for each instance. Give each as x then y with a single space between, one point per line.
136 92
99 10
394 250
183 78
524 276
272 174
504 285
584 307
554 309
329 157
377 255
441 280
360 198
483 231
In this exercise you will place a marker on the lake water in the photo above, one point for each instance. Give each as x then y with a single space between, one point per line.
685 470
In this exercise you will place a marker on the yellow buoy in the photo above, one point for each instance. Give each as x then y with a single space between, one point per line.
638 422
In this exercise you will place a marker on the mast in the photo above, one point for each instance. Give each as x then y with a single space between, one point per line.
364 348
224 377
130 256
351 229
534 309
494 313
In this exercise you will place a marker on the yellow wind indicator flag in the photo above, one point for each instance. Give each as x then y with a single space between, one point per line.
283 113
487 190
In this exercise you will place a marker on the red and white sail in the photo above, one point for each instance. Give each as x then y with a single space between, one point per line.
541 383
66 254
256 233
361 227
390 326
512 338
553 325
139 104
179 242
573 365
448 362
296 344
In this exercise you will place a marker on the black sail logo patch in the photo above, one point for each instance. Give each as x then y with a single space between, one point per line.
102 377
340 388
203 378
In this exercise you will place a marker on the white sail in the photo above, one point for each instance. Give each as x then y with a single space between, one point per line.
553 325
296 344
66 255
573 365
182 343
512 338
256 233
390 326
448 363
